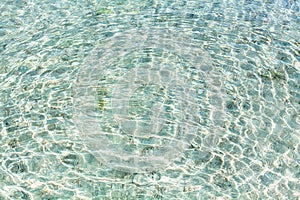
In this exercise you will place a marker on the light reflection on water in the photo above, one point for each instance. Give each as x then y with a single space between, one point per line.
254 45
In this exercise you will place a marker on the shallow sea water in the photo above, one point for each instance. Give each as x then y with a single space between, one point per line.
150 99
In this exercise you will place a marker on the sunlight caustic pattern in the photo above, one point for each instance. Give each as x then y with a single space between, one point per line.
139 95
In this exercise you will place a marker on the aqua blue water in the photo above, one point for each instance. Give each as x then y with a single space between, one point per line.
150 99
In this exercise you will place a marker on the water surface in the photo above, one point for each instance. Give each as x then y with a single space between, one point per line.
253 47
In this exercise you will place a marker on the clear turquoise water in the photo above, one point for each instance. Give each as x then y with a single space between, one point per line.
250 150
